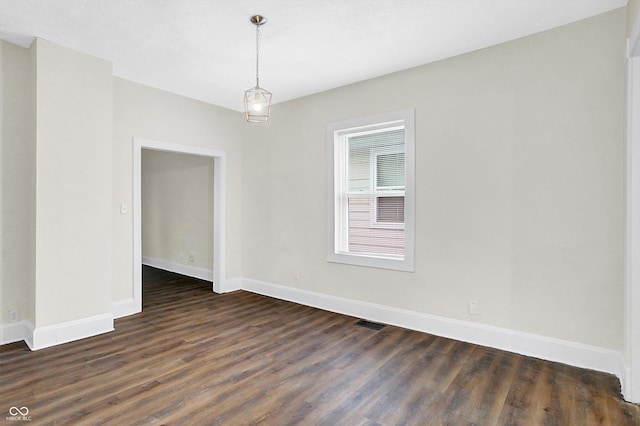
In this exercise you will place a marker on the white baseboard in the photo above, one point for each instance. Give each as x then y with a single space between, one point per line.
572 353
124 308
44 337
625 383
231 284
28 338
189 271
14 332
558 350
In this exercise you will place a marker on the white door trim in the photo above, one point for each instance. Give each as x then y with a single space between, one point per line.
631 375
219 210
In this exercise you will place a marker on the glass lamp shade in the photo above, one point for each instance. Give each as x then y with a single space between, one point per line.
257 104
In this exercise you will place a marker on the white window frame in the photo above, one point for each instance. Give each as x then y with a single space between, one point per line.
336 159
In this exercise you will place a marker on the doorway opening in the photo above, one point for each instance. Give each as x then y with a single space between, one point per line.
219 210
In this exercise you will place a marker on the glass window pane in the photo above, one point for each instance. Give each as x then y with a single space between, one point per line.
390 170
390 209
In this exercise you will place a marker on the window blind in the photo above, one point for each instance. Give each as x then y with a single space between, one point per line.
390 209
390 171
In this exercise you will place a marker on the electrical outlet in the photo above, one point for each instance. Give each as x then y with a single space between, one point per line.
191 258
13 315
296 274
474 307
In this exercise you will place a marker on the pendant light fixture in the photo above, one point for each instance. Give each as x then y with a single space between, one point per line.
257 101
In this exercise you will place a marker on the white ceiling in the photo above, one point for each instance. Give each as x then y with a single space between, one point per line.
205 49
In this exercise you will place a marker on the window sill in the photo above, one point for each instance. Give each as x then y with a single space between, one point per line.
396 264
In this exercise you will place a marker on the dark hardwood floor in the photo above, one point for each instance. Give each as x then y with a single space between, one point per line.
198 358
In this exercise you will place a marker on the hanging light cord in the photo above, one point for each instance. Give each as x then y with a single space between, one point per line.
258 55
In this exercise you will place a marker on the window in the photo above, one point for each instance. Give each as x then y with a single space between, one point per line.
371 191
390 209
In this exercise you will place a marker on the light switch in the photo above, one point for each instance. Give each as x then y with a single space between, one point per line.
124 209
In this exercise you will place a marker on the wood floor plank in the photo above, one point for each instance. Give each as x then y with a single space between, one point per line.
196 357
